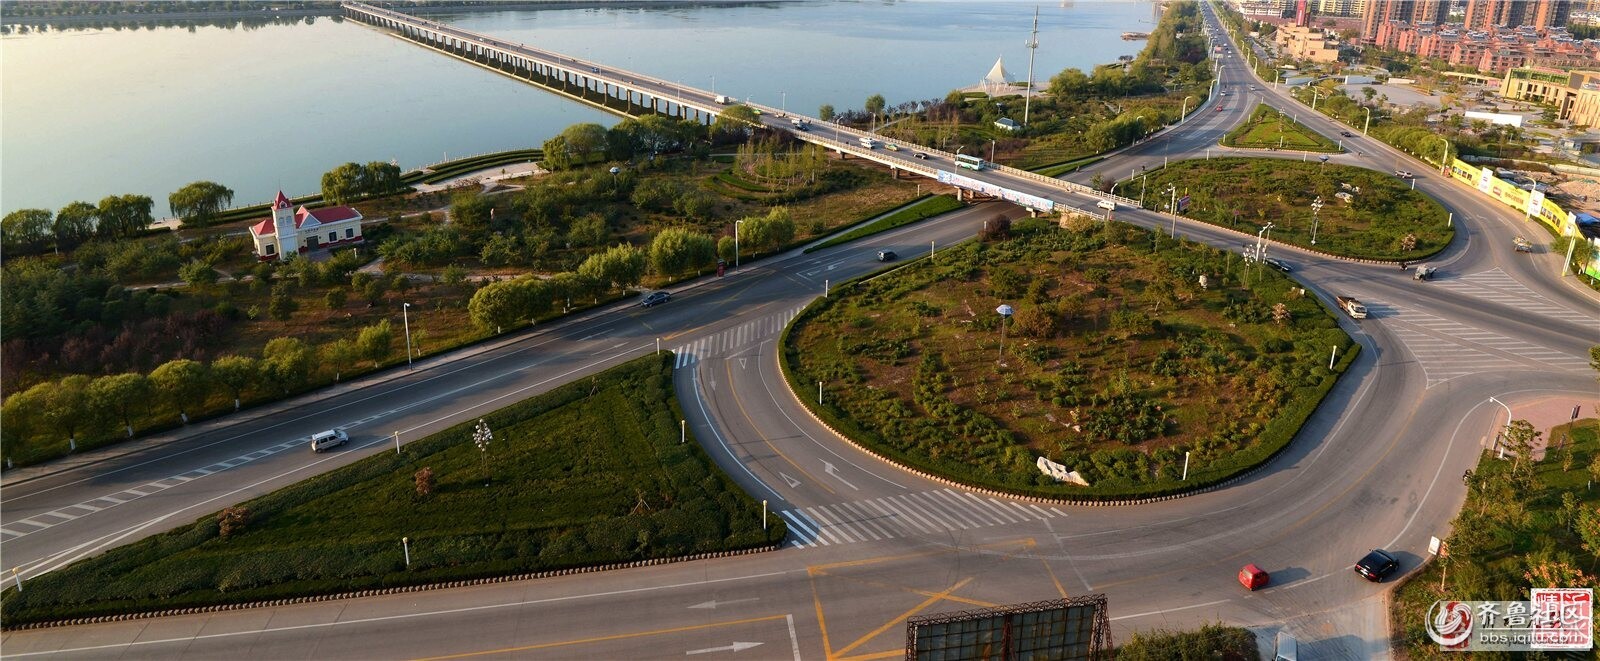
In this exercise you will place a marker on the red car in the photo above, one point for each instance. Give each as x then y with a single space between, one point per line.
1219 108
1253 577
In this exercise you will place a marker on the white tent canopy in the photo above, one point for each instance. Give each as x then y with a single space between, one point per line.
998 75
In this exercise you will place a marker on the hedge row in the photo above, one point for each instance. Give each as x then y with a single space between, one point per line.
453 169
591 473
1064 167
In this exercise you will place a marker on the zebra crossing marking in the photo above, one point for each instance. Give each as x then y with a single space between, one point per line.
905 515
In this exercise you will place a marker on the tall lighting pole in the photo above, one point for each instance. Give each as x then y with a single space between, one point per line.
1033 45
736 242
1316 211
405 318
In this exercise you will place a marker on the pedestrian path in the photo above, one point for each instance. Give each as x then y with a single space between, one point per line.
1447 349
730 341
1497 286
906 515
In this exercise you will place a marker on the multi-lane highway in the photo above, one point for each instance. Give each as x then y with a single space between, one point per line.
1378 465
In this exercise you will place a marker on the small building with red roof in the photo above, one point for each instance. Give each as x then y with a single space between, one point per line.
290 232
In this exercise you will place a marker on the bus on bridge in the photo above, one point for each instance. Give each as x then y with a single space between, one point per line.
969 162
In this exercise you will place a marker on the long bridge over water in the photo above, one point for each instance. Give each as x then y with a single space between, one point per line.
630 93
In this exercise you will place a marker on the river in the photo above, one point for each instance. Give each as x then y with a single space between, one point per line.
143 109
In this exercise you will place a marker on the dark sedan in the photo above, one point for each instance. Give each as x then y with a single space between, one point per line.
655 298
1279 264
1377 565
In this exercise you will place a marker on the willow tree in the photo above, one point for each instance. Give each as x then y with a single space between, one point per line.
198 203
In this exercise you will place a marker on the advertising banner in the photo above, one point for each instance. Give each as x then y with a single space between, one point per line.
1016 197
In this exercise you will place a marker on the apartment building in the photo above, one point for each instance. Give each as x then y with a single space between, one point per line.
1574 94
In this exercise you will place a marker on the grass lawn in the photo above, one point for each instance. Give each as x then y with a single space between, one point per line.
1517 530
1247 193
1269 127
925 208
1211 641
589 473
1117 361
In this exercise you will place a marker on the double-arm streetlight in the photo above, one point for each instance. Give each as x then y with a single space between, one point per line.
1261 248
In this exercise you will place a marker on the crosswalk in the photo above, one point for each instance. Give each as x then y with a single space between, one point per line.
1447 349
905 515
1497 286
733 339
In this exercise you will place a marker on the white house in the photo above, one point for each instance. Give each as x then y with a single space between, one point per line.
289 232
1007 123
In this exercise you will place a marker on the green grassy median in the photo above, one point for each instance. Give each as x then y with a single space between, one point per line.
910 213
1268 127
587 474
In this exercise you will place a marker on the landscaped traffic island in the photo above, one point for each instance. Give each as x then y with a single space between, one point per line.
1363 213
1270 128
590 473
1117 362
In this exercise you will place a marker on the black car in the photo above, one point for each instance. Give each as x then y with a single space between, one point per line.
886 255
1279 264
655 298
1377 565
1347 134
921 155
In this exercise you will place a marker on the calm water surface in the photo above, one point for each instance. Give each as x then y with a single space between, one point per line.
88 113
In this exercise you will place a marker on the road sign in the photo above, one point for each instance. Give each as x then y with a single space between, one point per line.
1067 629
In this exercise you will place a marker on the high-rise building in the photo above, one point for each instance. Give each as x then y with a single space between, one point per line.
1411 11
1483 14
1345 7
1302 13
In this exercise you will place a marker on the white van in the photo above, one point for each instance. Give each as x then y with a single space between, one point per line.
1108 205
332 438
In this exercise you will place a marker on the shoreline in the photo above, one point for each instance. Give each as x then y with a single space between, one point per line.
98 20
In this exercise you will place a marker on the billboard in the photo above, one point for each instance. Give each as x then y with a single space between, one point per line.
1014 197
1057 630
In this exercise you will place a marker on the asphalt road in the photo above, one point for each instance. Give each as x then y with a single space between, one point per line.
1378 465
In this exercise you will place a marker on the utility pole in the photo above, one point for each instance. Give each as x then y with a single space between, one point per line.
1033 45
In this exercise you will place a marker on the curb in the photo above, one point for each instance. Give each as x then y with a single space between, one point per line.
377 592
1003 494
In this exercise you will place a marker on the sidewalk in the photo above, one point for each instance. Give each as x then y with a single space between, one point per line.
1545 413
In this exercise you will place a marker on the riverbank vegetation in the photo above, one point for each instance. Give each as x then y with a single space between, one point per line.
1080 114
590 473
1365 214
88 331
1118 361
1527 523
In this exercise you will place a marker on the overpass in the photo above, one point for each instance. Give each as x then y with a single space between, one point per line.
630 93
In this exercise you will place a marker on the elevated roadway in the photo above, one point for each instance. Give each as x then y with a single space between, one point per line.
1378 465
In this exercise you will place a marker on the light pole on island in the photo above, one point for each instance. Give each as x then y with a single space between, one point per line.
736 242
1316 213
1005 315
481 437
405 318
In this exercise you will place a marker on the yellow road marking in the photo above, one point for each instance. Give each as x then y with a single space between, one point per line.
901 619
739 401
598 639
902 588
1053 578
827 647
875 655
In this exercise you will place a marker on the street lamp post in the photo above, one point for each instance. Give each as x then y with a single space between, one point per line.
783 101
1316 211
991 150
1184 112
1499 448
1261 248
1005 314
736 243
1368 123
405 318
1444 162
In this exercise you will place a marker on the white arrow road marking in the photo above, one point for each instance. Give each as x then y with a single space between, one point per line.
829 469
736 647
713 604
792 482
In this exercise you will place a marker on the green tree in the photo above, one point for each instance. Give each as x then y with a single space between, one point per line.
286 363
694 204
1520 437
557 155
339 354
725 249
26 231
771 231
471 211
117 396
124 215
236 373
826 112
344 184
199 275
376 342
494 306
382 179
68 408
734 124
24 413
335 298
1069 84
676 250
198 203
590 230
875 104
655 194
183 383
619 266
281 305
585 142
75 223
1594 359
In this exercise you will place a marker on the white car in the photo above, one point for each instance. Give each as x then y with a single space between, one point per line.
325 440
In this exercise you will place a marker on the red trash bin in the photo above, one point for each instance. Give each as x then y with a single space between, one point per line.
1252 577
